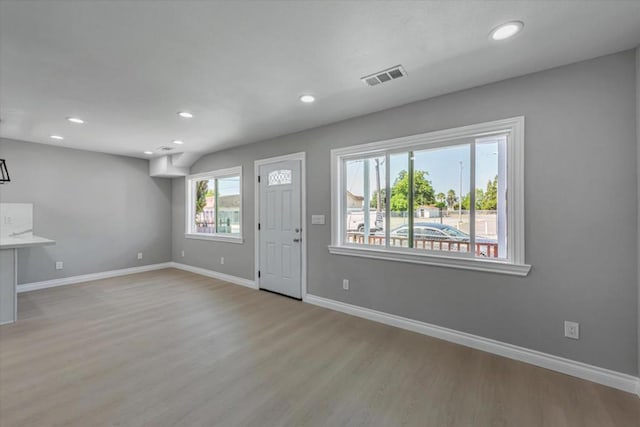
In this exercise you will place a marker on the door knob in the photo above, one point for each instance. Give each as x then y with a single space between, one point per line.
297 230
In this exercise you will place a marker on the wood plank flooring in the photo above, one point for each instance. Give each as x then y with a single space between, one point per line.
171 348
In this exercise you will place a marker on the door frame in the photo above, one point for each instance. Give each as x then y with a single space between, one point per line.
303 213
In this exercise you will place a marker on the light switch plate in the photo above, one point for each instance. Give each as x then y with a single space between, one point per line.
317 219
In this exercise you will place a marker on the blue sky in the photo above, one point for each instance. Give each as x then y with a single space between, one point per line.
442 164
227 186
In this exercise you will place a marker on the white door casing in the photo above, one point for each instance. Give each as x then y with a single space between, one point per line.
280 221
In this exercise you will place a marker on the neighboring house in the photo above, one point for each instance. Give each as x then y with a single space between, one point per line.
425 211
228 213
354 201
211 204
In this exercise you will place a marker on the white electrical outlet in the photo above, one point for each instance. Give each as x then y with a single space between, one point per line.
572 330
182 253
59 265
222 260
345 284
139 255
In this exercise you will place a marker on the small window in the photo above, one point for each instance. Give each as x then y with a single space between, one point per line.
438 198
214 205
280 177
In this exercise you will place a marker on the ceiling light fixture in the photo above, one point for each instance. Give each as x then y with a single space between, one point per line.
506 30
177 141
307 99
185 114
58 137
75 120
148 153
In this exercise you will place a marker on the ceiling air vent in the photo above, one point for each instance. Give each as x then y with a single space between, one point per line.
384 76
164 148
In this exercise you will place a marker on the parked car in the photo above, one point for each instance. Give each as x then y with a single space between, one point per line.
355 220
436 231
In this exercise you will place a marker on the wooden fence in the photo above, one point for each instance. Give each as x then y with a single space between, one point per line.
489 250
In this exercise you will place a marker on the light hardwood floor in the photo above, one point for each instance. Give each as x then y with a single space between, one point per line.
171 348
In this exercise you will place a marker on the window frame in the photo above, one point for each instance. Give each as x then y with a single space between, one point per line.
190 192
514 263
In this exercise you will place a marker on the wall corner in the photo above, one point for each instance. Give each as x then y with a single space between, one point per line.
638 199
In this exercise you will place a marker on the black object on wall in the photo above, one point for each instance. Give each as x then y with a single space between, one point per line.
4 173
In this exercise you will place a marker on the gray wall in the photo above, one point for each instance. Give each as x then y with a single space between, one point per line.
581 216
638 170
101 209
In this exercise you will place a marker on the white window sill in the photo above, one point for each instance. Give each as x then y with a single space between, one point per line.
485 265
215 237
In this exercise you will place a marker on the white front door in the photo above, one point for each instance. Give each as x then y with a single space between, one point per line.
280 230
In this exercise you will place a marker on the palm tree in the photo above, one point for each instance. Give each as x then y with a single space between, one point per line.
202 188
451 199
440 197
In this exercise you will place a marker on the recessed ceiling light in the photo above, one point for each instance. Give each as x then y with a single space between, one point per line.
177 141
506 30
75 120
307 99
148 153
185 114
58 137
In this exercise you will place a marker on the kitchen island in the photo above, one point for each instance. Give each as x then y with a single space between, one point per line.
9 246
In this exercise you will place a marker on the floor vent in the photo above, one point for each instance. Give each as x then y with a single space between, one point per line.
383 76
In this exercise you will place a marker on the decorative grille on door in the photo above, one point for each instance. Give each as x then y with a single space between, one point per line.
280 177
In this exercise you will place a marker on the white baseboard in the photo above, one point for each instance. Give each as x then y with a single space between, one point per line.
216 275
596 374
26 287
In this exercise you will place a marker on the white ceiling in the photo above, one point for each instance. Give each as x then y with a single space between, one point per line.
127 67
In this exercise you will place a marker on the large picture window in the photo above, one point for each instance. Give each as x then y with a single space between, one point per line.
214 205
450 198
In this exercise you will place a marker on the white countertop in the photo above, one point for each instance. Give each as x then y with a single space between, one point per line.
24 242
